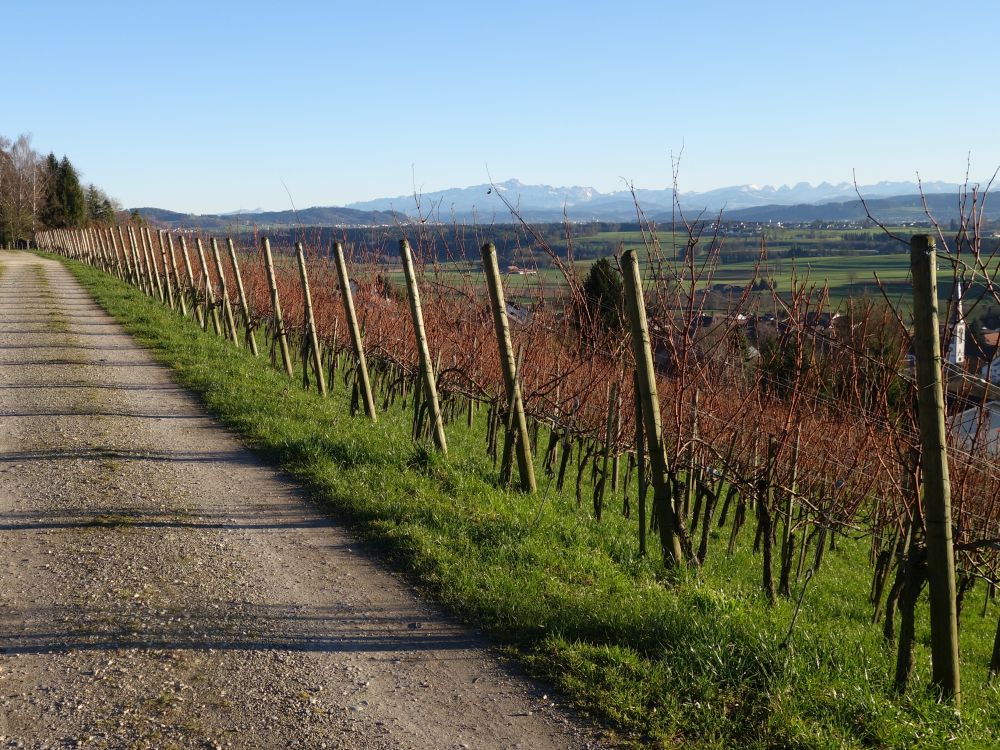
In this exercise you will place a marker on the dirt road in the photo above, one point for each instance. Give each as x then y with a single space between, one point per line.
161 588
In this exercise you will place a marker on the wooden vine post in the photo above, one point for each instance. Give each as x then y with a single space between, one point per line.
102 248
313 339
426 366
352 324
83 249
199 311
522 441
131 276
177 277
143 258
109 251
133 250
210 308
140 257
154 269
244 305
102 251
166 268
96 251
227 308
670 542
279 323
110 239
934 462
148 285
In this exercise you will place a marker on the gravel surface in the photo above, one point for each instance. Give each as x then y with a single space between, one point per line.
161 588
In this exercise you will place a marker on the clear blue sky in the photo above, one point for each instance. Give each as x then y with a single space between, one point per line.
209 106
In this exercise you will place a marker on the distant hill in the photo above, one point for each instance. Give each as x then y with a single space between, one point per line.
545 203
895 209
889 201
318 216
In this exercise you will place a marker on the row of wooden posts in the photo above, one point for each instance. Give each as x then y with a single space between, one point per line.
132 254
150 261
673 499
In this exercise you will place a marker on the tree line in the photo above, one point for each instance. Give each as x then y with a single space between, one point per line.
44 192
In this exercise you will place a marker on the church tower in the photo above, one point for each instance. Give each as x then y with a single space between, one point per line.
956 326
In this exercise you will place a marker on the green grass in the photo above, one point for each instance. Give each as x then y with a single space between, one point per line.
692 661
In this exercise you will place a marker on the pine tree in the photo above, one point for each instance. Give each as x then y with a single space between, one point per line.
65 204
52 211
93 202
602 290
106 213
73 199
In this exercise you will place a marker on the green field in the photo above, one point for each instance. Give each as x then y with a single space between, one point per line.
846 276
695 660
778 240
846 260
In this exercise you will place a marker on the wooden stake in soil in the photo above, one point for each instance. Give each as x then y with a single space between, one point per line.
199 311
227 308
525 464
109 261
99 250
279 323
147 247
210 307
244 305
317 356
934 460
131 276
180 287
95 248
355 329
426 367
145 283
114 233
166 269
109 240
670 543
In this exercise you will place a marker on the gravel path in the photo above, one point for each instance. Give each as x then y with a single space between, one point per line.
163 589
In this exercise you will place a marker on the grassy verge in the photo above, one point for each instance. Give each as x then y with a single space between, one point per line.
695 662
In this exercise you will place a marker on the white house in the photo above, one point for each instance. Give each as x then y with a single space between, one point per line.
956 322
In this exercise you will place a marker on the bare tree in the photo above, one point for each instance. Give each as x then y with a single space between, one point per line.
21 187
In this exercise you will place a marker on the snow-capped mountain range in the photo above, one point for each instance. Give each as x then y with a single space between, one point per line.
484 204
587 202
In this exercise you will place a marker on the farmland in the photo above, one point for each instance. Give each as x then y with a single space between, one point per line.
846 276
